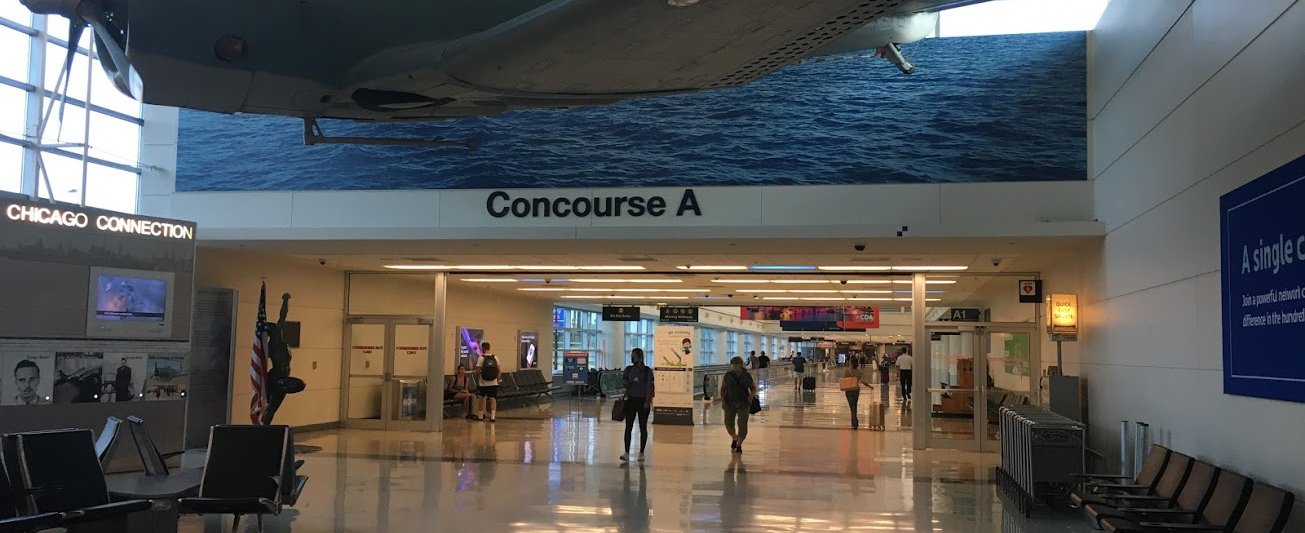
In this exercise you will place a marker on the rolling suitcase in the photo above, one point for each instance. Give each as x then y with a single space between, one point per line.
809 383
875 418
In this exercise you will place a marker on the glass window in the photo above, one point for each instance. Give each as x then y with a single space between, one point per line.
731 344
639 334
11 167
110 138
16 12
581 332
707 346
65 178
13 63
114 139
111 188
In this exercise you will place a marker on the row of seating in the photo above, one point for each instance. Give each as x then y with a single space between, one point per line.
529 383
55 478
1175 492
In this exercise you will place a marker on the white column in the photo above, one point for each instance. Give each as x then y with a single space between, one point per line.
439 316
920 355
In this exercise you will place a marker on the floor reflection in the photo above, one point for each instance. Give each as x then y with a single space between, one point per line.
804 470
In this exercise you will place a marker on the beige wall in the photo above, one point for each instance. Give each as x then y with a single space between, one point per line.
317 302
501 315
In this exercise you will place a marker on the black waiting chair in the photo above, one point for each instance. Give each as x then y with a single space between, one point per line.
60 470
107 439
1166 489
290 491
11 519
155 462
243 473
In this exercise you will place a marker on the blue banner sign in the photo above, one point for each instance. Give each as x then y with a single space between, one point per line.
1263 273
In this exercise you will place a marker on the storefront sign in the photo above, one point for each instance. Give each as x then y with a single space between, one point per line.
1063 314
671 313
77 218
673 359
623 313
501 204
1263 275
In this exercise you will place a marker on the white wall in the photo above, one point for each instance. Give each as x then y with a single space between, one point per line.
1189 100
501 315
316 301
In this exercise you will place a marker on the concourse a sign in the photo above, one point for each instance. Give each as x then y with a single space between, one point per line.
1263 282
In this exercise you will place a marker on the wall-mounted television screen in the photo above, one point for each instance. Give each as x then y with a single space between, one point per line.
129 303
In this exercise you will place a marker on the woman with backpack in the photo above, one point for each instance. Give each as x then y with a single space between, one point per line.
851 382
737 389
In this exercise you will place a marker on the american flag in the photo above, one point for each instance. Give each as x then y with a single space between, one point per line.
258 362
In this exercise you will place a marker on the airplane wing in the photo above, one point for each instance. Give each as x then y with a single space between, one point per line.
631 47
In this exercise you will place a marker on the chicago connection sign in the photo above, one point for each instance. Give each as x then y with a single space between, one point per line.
501 204
73 217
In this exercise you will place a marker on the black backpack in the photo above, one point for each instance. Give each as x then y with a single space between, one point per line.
489 372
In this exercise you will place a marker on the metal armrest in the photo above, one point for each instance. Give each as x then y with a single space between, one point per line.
1119 486
169 455
1145 510
1141 497
1184 527
1099 476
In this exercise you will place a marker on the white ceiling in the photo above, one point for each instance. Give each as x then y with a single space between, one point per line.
992 264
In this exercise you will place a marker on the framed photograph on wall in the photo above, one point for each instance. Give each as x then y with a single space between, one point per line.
26 378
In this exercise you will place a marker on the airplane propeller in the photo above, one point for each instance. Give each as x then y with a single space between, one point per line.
113 57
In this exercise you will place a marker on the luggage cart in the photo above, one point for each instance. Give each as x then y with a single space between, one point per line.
1040 453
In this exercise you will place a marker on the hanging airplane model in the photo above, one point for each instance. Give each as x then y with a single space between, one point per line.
393 60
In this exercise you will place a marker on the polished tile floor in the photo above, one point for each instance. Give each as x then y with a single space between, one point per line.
556 467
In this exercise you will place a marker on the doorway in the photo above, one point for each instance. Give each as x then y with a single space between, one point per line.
971 371
388 379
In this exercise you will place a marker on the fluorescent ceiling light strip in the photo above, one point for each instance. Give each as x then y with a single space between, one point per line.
866 291
858 299
930 268
711 268
490 280
760 290
626 280
546 267
874 281
416 267
802 281
760 281
805 299
814 291
842 268
927 281
781 267
791 298
542 289
597 268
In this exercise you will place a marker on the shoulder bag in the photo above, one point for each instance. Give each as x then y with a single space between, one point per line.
848 382
618 409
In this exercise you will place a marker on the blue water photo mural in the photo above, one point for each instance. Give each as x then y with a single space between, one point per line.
978 109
